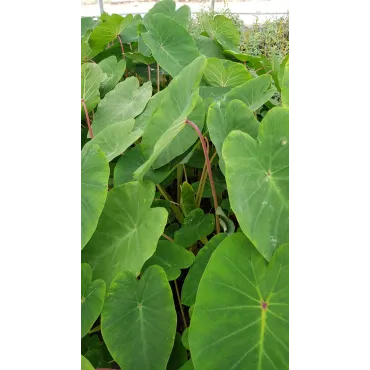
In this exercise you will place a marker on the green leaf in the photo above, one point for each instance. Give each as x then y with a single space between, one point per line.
188 366
85 364
196 226
191 283
126 101
164 37
94 189
248 300
226 223
187 200
285 86
139 320
254 93
127 232
222 119
168 7
108 30
154 102
225 73
282 69
168 121
92 298
116 138
114 72
179 355
223 30
208 47
91 76
130 161
257 176
252 59
87 24
130 31
185 339
171 257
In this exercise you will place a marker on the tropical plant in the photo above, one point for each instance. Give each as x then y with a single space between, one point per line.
184 196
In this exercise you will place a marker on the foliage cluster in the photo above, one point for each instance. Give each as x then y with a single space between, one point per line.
184 196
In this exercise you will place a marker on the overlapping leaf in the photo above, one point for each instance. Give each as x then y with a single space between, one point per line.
91 76
92 298
94 189
196 226
187 200
127 233
139 320
179 355
191 283
254 93
257 176
222 119
163 38
116 138
113 72
248 300
171 257
127 100
167 127
225 73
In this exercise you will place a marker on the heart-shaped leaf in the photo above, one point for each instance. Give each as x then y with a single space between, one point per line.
113 71
88 24
257 176
167 126
127 233
223 30
179 355
94 189
92 298
91 76
163 37
127 100
168 7
171 257
225 73
222 119
191 283
130 31
248 300
108 30
116 138
138 320
254 93
196 226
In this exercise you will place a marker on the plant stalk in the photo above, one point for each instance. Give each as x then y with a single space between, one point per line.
158 87
179 181
149 73
87 118
176 210
122 48
181 308
214 195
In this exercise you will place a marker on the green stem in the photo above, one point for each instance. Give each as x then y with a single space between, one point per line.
97 328
179 216
181 308
179 181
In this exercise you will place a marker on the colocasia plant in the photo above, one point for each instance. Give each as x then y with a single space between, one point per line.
184 196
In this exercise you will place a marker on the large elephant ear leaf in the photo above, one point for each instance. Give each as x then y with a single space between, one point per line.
254 93
91 77
168 120
248 299
257 177
127 232
221 120
94 189
163 37
113 70
127 100
223 30
225 73
108 30
138 320
92 298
